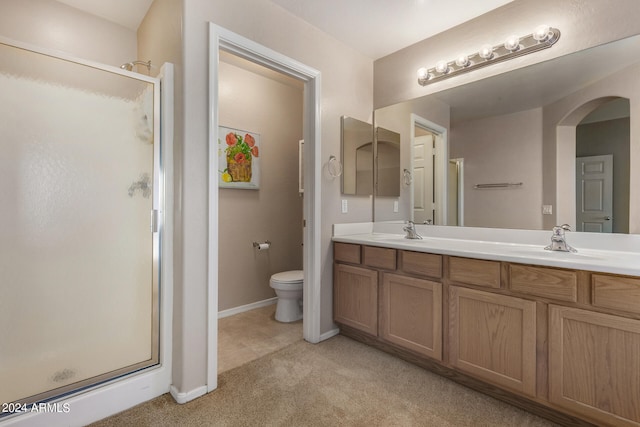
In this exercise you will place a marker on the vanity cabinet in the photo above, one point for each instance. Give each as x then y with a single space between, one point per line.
594 365
493 337
559 342
411 314
355 297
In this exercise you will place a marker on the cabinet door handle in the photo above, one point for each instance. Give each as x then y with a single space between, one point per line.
607 218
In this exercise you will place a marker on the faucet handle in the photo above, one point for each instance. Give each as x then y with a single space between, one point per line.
560 229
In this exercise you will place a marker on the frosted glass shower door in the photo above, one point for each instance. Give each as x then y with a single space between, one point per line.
79 169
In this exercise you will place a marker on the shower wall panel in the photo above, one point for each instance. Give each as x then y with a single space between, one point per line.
76 259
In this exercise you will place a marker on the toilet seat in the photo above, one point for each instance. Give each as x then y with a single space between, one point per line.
288 276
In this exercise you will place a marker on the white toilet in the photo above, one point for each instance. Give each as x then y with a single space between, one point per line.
288 287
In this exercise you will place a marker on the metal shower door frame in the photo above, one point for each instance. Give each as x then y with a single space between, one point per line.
156 226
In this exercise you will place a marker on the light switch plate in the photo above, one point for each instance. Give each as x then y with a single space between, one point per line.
345 206
395 206
547 209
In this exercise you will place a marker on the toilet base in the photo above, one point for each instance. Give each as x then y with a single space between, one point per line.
288 310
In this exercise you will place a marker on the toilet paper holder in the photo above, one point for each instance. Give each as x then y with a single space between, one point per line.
262 246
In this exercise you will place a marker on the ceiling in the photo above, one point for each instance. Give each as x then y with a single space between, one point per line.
380 27
375 28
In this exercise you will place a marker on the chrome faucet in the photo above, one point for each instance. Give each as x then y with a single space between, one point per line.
558 242
410 228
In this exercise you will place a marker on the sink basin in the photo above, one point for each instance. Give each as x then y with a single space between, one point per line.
394 238
542 253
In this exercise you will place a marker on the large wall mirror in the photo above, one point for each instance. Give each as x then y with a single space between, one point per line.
552 143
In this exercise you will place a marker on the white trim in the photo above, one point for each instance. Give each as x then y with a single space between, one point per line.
460 164
119 394
329 334
221 38
440 165
247 307
182 398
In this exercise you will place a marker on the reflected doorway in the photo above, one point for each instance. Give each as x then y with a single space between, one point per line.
603 169
429 166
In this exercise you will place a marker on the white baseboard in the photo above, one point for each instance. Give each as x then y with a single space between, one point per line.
188 396
329 334
247 307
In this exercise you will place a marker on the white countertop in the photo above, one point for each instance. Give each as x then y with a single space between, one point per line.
609 253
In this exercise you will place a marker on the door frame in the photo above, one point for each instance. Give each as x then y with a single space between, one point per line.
440 164
459 162
221 38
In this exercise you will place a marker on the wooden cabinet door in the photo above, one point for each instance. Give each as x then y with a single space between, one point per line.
355 297
411 314
493 337
594 365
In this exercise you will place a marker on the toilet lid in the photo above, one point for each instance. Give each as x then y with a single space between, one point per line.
288 276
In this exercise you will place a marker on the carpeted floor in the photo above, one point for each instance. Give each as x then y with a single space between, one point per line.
338 382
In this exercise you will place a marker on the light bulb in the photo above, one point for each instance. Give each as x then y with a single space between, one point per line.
512 43
541 33
442 67
486 52
423 75
462 60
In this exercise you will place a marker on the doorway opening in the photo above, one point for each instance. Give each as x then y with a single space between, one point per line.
221 39
259 207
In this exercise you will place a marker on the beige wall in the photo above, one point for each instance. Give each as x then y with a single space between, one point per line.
583 24
259 104
505 148
53 25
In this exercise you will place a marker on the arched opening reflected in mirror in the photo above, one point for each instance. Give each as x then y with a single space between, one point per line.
597 136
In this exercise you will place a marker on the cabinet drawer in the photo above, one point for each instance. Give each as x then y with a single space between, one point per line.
422 264
379 257
544 282
475 271
616 292
346 252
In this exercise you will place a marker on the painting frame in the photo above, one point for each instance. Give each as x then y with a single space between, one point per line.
239 154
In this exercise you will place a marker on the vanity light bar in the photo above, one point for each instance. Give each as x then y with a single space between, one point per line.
542 38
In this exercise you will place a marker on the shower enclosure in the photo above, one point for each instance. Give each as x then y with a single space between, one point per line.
80 186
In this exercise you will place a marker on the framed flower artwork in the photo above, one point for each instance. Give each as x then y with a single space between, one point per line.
238 159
